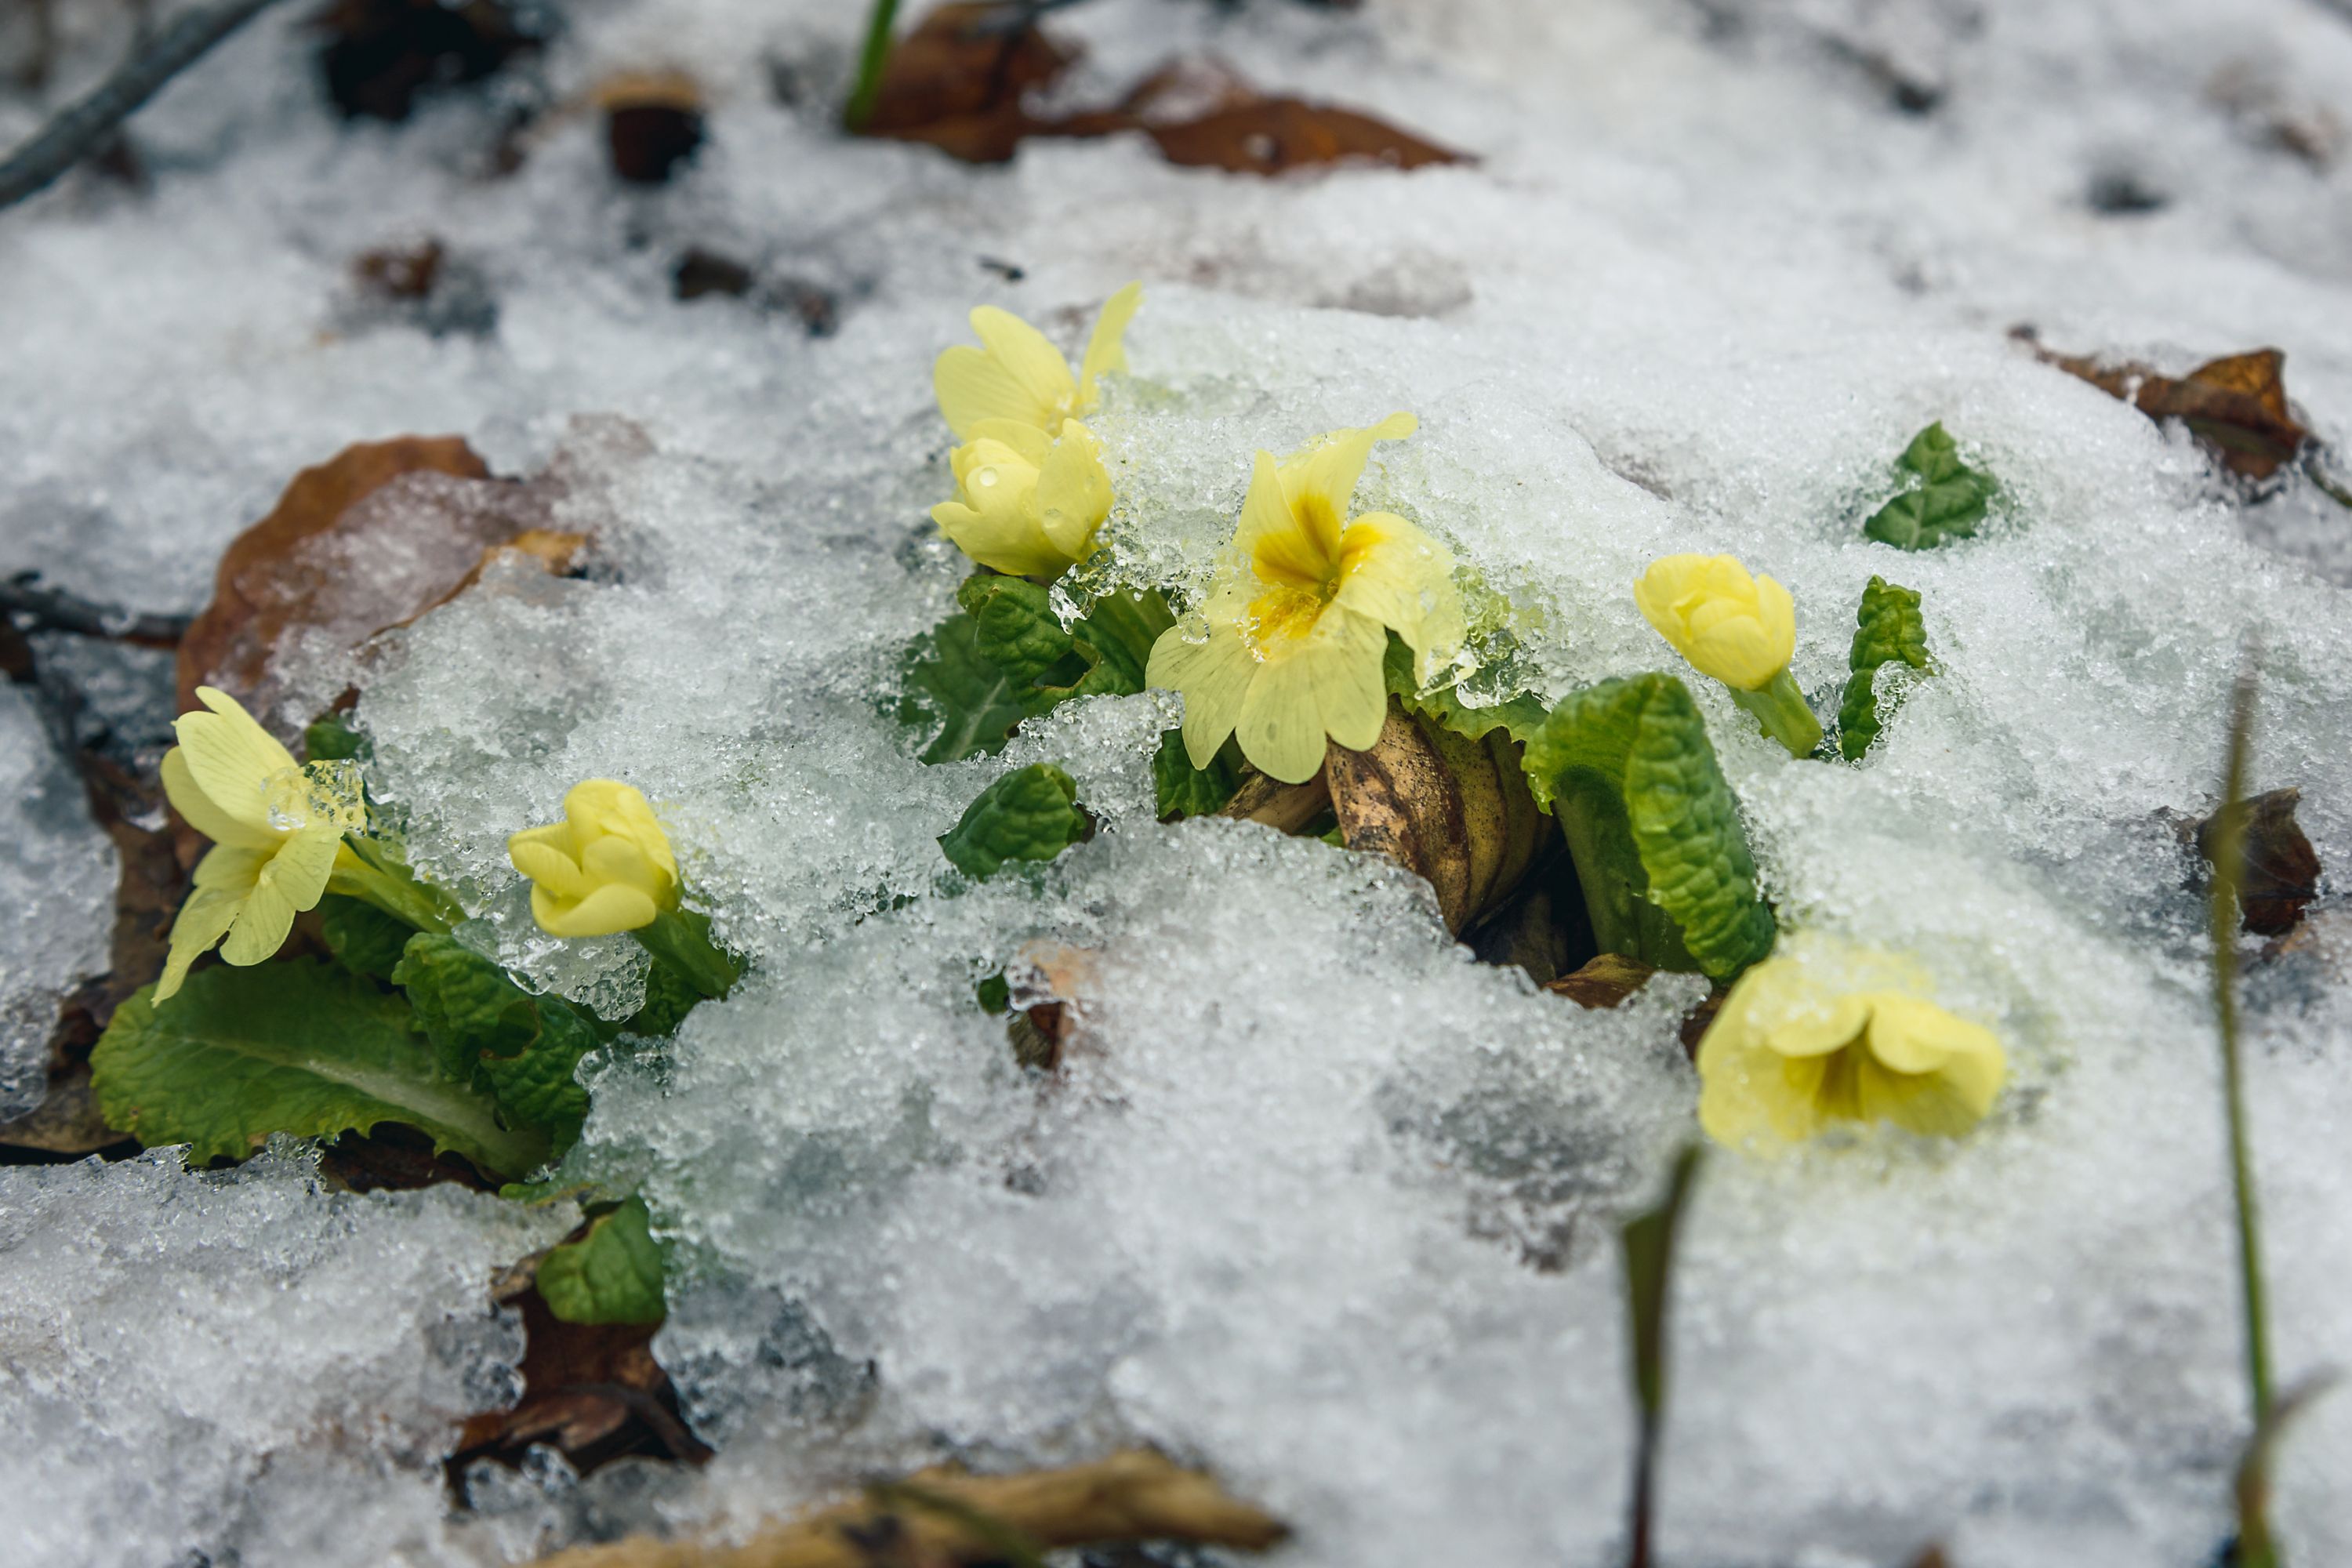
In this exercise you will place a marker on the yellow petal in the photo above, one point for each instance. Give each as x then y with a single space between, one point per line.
203 920
1015 543
196 808
1105 350
1326 684
616 859
1212 676
230 758
1398 575
1320 479
302 865
261 925
1025 441
537 856
1280 547
609 909
1073 491
972 386
1818 1028
232 867
1036 365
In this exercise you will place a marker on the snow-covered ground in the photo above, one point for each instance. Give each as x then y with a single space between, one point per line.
1706 280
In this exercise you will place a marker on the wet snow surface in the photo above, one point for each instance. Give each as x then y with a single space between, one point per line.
1319 1202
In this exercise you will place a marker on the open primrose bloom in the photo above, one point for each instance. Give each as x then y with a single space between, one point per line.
1031 488
1823 1033
1298 616
277 827
1738 629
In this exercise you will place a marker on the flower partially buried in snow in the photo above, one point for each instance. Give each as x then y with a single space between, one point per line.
1740 630
1031 488
1026 503
1823 1033
605 868
1298 617
276 826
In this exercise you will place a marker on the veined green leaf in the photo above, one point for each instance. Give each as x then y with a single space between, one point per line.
612 1274
295 1047
490 1032
1627 768
1029 814
1946 501
364 939
1888 629
1184 790
1103 653
964 702
1521 716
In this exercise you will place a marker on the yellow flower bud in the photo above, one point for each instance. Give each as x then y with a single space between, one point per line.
605 868
1026 503
1822 1032
276 826
1740 630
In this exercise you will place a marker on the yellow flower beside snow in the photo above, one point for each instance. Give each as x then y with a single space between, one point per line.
1822 1032
1031 488
1738 629
605 868
275 827
1298 618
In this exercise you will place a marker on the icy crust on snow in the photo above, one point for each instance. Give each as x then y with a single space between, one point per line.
242 1366
1317 1201
58 872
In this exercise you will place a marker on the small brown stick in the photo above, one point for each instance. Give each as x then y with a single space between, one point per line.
81 128
1136 1495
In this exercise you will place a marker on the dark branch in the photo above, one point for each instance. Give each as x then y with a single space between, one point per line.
23 599
80 130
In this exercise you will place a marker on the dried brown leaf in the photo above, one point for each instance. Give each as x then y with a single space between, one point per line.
2281 874
960 84
2236 405
1284 807
1277 135
1131 1495
1603 983
1455 810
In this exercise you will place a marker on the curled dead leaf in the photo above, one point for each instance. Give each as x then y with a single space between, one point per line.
1277 135
1455 810
2236 405
2280 876
1604 981
1284 807
370 540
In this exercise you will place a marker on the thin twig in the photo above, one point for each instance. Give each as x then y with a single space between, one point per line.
870 61
2229 864
79 131
55 610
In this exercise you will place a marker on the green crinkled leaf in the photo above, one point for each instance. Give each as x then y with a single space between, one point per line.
524 1049
1103 653
669 997
1627 768
1184 790
1029 814
298 1047
964 702
1521 716
1945 503
1888 629
364 939
1015 628
612 1274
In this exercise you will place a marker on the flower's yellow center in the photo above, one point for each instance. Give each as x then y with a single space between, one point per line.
1838 1091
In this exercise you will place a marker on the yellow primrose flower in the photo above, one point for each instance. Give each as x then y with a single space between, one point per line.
605 868
1026 503
1738 629
275 823
1019 376
1822 1032
1298 616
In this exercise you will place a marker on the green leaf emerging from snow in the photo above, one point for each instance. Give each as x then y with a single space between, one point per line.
1946 501
297 1047
961 700
1029 814
490 1032
1888 629
1521 716
1103 653
1184 790
612 1274
329 740
1627 768
364 939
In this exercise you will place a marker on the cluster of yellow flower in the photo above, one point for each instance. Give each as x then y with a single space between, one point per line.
1285 655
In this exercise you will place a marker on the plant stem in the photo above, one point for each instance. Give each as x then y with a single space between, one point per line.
681 939
371 871
77 132
2229 857
870 61
1648 1240
1784 714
